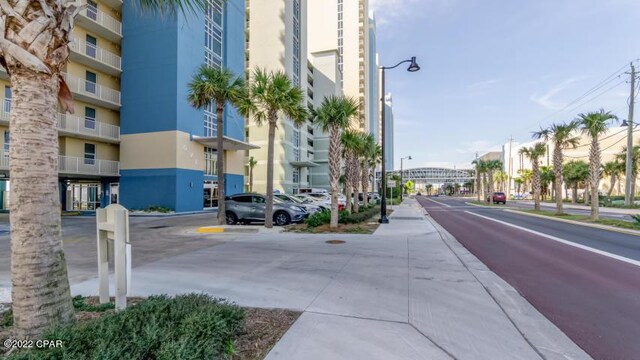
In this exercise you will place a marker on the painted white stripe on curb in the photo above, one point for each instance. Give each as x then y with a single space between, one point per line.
566 242
438 202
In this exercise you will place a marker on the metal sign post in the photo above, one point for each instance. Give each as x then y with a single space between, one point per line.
113 225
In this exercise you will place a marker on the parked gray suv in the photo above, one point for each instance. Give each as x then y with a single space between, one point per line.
251 207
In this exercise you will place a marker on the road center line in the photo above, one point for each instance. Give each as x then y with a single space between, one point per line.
438 202
566 242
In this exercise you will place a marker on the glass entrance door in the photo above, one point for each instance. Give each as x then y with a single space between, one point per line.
210 194
114 189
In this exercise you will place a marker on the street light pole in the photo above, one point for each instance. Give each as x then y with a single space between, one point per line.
402 177
413 67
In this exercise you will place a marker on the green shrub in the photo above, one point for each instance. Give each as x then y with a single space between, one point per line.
185 327
362 216
6 319
80 305
636 219
318 218
157 208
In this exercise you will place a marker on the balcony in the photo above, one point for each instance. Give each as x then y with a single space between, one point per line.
114 4
100 23
75 126
95 57
93 93
77 166
81 166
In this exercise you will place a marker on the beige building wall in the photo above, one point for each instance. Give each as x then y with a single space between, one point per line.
270 45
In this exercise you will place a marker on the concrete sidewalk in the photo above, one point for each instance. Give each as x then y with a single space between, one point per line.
410 291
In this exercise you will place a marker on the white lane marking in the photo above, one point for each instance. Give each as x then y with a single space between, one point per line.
438 202
566 242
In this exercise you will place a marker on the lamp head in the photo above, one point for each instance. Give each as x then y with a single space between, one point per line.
413 67
624 123
409 157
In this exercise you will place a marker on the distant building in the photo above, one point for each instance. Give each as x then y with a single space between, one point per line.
388 141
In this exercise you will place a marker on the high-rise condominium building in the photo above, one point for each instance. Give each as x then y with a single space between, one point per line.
277 41
135 139
345 25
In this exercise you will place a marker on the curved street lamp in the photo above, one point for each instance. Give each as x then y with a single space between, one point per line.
413 67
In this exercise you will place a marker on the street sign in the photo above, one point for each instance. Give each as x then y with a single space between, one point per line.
391 183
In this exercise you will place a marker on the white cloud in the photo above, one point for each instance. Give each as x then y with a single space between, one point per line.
546 100
482 85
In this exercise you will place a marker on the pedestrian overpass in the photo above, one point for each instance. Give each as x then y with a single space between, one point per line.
434 176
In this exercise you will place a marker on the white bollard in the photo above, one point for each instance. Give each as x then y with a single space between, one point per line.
113 225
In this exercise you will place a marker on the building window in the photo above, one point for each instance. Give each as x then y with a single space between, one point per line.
92 10
210 158
92 44
7 99
296 176
340 36
89 118
296 42
213 31
89 154
90 83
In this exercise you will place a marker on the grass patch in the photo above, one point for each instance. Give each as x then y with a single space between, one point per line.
586 219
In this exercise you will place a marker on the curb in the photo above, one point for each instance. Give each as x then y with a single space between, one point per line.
596 226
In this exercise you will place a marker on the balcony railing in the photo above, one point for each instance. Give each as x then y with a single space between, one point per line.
91 89
74 124
102 19
88 127
76 165
99 54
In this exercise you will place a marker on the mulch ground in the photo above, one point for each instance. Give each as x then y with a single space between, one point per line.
263 328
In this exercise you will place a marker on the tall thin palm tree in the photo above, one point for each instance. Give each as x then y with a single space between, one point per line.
369 148
562 137
491 167
534 153
333 116
613 169
220 87
480 169
350 144
595 124
34 49
273 97
635 164
252 163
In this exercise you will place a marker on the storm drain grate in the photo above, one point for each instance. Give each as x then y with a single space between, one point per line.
158 227
406 218
335 242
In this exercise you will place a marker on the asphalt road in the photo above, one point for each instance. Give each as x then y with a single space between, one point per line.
592 296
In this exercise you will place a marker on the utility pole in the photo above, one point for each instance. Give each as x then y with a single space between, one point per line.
628 175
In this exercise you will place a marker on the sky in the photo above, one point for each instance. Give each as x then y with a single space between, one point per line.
492 69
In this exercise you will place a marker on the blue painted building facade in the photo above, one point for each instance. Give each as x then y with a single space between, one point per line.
161 163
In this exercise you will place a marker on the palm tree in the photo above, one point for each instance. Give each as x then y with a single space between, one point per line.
350 140
211 85
534 153
595 124
429 187
561 135
480 170
273 96
635 161
368 159
575 173
613 169
333 116
546 177
252 163
34 52
492 166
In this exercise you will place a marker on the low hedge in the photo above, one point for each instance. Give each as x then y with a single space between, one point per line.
191 326
324 217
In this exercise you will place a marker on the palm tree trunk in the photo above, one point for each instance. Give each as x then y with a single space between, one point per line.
334 173
536 184
491 187
365 185
40 284
220 165
250 178
557 166
574 193
356 181
613 184
594 175
347 181
268 211
478 184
